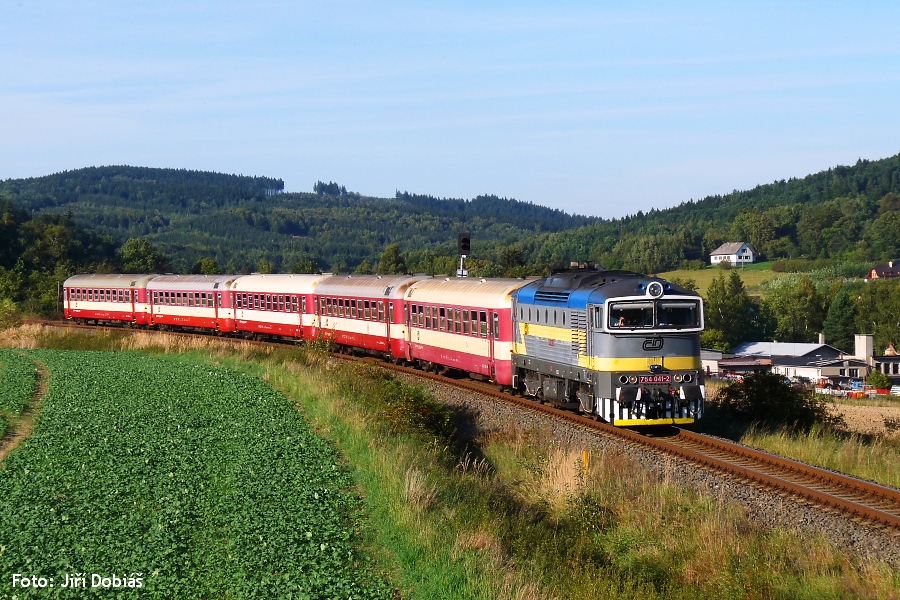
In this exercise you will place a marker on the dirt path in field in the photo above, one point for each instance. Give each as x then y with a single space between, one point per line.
21 428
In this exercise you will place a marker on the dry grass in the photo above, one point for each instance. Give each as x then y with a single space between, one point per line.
868 457
419 495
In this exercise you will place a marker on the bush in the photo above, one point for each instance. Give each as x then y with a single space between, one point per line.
879 380
9 314
765 399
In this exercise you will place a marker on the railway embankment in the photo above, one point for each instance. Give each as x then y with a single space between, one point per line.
466 497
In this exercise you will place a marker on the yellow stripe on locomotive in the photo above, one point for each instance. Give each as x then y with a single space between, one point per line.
623 346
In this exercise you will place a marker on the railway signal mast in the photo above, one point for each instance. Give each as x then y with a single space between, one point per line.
464 247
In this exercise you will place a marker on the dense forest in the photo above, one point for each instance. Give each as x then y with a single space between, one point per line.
161 220
847 213
240 221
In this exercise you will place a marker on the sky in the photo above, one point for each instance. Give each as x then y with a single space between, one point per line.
597 108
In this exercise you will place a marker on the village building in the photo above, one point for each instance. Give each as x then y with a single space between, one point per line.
737 253
884 271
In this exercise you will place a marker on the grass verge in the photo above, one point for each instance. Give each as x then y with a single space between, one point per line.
519 515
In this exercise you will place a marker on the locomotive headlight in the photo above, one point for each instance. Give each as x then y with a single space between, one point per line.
655 289
688 377
678 378
623 379
632 379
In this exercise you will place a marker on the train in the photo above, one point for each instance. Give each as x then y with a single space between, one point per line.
617 345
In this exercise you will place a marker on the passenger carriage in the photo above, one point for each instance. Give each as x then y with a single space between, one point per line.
192 301
364 311
623 346
275 305
463 323
109 299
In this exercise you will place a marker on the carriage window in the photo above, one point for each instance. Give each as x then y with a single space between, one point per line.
597 317
457 321
443 316
450 320
497 326
482 319
465 320
381 312
676 314
302 303
219 300
367 309
390 312
427 317
630 315
474 319
281 303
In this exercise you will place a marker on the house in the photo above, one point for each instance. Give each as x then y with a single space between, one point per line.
882 271
798 350
815 362
737 253
839 370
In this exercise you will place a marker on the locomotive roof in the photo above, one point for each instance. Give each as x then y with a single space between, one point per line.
109 280
368 286
278 284
575 289
219 283
465 291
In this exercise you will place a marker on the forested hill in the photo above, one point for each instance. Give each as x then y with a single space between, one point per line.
239 221
849 213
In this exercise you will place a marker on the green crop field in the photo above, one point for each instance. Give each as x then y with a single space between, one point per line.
189 480
18 375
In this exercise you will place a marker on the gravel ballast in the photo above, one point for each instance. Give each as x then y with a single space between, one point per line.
763 505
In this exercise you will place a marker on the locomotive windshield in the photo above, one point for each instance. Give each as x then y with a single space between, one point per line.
658 314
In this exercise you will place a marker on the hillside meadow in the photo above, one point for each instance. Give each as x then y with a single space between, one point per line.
753 277
512 515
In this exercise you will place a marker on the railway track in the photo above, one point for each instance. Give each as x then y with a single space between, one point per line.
861 501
